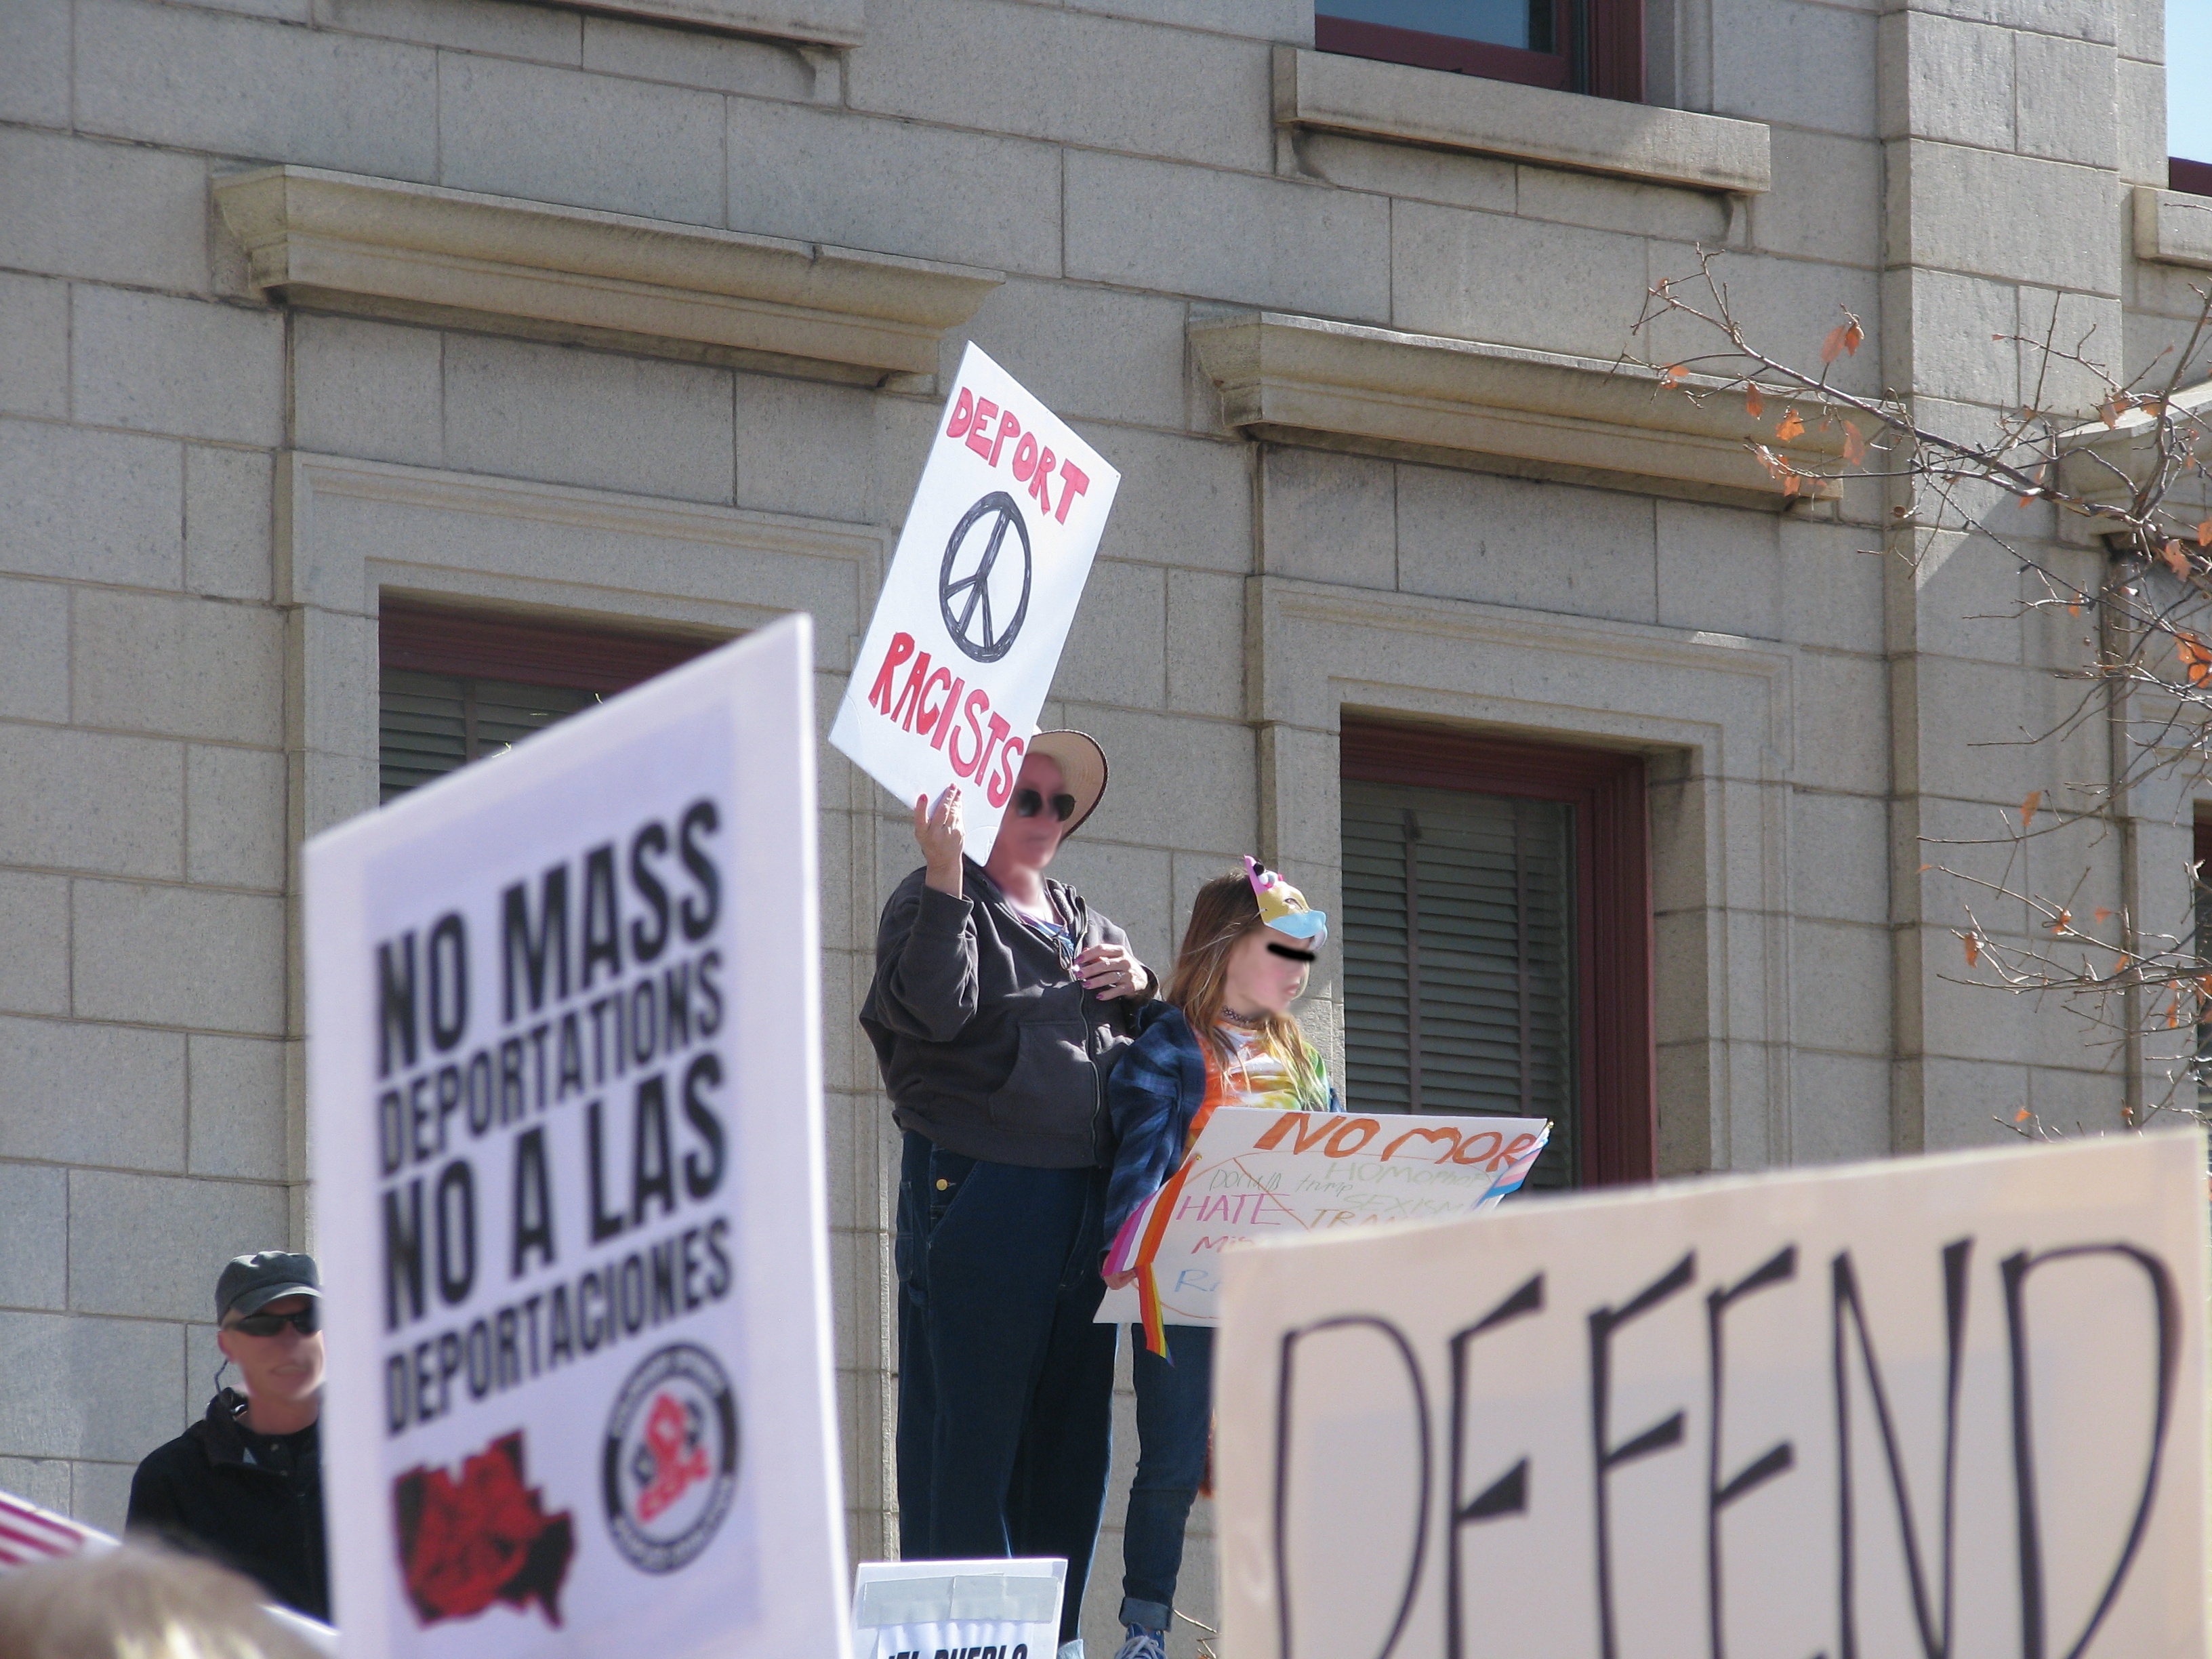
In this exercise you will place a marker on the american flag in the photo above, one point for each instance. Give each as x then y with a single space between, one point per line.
29 1534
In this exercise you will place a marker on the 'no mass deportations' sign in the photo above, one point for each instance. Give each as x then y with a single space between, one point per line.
566 1132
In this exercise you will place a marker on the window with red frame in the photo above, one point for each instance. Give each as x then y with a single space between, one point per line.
457 685
1570 45
1497 938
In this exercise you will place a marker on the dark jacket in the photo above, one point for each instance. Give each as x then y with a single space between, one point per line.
220 1490
1155 1095
988 1044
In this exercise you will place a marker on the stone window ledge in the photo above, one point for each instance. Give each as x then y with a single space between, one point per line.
1492 408
814 22
1412 106
345 242
2173 227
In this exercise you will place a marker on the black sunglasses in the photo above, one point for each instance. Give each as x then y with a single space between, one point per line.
306 1322
1028 804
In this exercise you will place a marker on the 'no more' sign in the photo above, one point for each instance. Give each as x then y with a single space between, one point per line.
982 587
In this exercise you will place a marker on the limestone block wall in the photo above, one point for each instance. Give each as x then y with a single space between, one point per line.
179 704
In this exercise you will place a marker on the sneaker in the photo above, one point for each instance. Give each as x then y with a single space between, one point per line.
1143 1644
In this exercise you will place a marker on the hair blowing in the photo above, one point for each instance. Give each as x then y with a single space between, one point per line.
1225 911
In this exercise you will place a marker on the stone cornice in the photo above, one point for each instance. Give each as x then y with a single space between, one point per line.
2172 227
348 242
1497 409
1396 101
818 22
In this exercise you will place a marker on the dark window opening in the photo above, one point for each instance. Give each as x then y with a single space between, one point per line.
456 686
1569 45
1497 941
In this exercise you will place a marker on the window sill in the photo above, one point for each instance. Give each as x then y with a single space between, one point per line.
813 22
2173 228
420 252
1492 408
1405 105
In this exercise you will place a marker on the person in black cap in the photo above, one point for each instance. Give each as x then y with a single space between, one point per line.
1001 1002
244 1483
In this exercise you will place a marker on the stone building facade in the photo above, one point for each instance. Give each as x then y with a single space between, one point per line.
636 316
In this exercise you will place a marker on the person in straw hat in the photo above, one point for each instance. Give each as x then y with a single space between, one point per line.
1000 1003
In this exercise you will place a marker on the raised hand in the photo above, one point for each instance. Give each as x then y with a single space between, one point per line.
943 839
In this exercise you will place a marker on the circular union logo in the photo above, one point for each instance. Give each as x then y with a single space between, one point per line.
671 1460
983 601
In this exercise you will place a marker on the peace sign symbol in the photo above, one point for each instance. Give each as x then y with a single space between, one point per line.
966 601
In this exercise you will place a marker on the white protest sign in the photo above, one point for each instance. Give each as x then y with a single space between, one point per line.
1256 1173
566 1132
1948 1406
995 1609
982 586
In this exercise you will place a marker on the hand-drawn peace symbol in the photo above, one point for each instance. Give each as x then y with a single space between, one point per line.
965 600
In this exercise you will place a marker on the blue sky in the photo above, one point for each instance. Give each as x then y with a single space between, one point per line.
2189 79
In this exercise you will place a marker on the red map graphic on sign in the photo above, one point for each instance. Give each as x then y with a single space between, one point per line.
465 1544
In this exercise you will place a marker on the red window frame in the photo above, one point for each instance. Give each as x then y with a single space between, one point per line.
2192 178
1616 1060
486 646
1611 33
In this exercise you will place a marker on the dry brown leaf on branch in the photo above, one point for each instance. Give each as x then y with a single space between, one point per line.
2021 1116
1853 334
1753 404
2196 657
1855 448
1791 482
1672 375
2205 533
2027 807
1843 339
1973 951
2176 560
1792 425
2065 920
2111 408
2103 915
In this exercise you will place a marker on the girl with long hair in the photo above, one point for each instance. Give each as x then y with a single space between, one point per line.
1223 1036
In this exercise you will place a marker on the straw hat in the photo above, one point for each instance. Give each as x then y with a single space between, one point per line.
1082 763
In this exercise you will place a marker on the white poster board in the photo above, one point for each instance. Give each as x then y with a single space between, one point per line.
1947 1404
994 1609
566 1120
1255 1174
984 582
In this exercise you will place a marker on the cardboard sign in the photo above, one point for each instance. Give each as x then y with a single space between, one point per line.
996 1609
1256 1173
1944 1406
982 586
566 1132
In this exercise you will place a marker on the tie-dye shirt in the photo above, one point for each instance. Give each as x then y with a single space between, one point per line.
1261 1072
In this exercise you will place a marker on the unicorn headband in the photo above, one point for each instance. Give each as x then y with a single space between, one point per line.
1283 908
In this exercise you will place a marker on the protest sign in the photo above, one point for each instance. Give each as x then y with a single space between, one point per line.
1950 1406
566 1134
976 605
995 1609
1255 1173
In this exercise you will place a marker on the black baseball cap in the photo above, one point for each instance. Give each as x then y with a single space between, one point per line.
251 1283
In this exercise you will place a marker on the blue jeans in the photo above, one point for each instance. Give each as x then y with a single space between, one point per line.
1174 1410
1005 1385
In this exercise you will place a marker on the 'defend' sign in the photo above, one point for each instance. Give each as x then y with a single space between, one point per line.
566 1128
989 568
1938 1408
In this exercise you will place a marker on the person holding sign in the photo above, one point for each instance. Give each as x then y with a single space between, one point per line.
1000 1004
1223 1037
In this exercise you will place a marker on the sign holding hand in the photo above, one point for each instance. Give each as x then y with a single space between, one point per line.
982 590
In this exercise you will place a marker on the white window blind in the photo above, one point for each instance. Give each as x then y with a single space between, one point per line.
429 725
